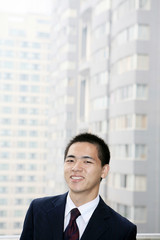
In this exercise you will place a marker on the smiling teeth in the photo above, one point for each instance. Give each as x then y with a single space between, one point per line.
76 178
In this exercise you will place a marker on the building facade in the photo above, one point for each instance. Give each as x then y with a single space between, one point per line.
134 112
24 61
115 95
63 85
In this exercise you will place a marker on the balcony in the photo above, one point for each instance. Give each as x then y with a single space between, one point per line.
140 236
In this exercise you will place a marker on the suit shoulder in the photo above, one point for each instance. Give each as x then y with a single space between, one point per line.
119 219
116 217
46 202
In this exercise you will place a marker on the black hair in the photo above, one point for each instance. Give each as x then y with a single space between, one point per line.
103 150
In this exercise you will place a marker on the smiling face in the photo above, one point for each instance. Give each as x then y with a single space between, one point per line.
83 170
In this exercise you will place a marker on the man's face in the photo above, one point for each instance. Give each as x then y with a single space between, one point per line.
83 169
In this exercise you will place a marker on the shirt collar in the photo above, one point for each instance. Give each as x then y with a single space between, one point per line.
86 209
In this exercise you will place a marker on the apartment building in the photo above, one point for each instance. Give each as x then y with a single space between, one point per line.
24 67
112 54
134 112
63 85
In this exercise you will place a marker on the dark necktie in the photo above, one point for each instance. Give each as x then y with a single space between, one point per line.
72 232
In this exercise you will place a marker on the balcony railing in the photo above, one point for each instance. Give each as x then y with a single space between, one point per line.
9 237
148 236
140 236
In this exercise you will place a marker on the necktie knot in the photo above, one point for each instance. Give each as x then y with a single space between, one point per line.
72 232
75 213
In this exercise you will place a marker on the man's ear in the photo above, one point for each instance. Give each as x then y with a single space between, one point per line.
105 171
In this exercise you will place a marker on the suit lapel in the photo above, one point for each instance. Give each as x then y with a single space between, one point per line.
98 224
55 217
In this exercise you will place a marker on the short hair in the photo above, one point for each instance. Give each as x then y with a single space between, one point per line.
102 147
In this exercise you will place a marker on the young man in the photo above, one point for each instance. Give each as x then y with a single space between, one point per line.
86 163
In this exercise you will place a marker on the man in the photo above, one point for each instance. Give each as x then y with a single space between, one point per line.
86 163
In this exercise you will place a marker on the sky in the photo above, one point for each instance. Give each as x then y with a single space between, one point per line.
24 6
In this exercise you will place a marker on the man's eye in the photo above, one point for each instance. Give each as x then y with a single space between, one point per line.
69 160
87 162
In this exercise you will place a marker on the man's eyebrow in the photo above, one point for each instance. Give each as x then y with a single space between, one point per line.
88 157
85 156
70 156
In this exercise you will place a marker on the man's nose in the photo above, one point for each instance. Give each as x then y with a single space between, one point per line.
77 166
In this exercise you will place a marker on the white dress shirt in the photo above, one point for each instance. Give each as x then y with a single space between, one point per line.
86 211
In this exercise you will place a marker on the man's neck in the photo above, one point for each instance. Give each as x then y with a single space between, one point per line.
80 199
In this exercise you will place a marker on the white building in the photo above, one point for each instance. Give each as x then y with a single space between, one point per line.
24 60
115 94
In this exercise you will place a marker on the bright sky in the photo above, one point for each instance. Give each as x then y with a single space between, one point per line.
23 6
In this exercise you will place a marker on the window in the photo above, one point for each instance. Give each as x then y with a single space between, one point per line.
35 77
135 32
17 225
7 110
99 126
66 65
143 32
137 122
4 167
121 122
8 64
101 30
22 133
128 6
33 144
6 87
140 151
24 44
141 122
69 13
102 6
23 99
100 103
123 182
143 4
142 62
21 144
2 225
33 133
3 178
140 183
18 213
3 190
131 63
24 66
8 76
21 155
6 98
140 214
129 182
17 32
4 155
84 42
43 35
82 99
36 45
23 110
129 151
19 201
3 201
19 190
24 77
124 210
141 91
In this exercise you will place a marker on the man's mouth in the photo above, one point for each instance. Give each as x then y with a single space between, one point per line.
76 177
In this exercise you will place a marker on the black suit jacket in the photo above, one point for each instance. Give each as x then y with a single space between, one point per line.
45 221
